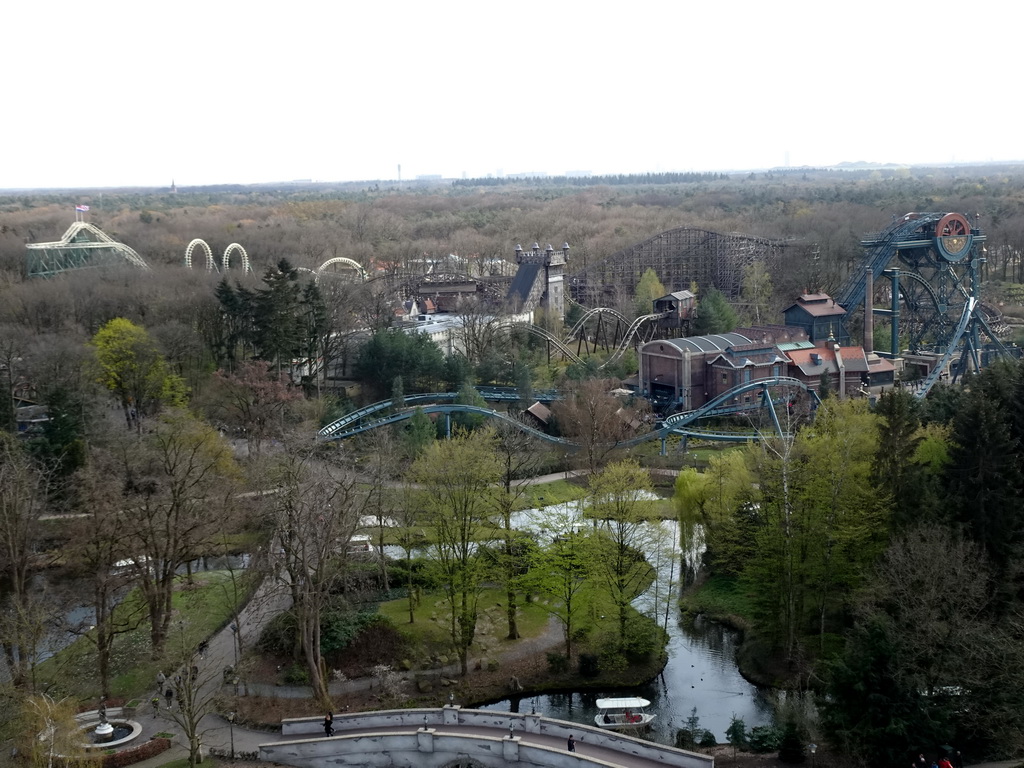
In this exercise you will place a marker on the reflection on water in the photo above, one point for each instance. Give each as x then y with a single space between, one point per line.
77 617
701 671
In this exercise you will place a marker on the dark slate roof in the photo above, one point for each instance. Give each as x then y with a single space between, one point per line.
715 342
816 305
540 411
523 282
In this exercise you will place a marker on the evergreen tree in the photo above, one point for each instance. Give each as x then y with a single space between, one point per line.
469 396
983 479
791 750
227 334
418 434
278 322
714 315
412 355
866 711
456 372
316 330
824 386
942 404
524 384
397 394
736 733
896 474
62 442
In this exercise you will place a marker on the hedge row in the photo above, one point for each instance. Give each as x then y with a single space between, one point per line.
130 756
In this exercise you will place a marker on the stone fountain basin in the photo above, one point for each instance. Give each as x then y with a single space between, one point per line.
87 722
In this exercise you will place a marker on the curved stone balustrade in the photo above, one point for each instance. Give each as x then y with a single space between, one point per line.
433 738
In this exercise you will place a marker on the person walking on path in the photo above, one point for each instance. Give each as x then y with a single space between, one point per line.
329 724
169 695
572 743
161 678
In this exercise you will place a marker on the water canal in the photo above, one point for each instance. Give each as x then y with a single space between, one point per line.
701 671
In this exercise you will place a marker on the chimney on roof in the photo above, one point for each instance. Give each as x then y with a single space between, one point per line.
842 371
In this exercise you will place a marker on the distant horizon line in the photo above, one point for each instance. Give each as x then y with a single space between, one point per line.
858 165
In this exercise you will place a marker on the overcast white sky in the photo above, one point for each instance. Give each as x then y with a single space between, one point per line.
137 92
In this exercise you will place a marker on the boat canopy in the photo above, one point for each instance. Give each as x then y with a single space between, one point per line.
627 703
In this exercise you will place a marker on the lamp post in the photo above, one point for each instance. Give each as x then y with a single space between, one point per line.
451 699
813 748
231 730
511 729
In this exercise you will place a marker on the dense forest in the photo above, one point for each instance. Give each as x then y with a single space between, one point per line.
877 550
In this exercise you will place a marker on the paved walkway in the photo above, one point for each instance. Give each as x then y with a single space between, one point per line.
269 600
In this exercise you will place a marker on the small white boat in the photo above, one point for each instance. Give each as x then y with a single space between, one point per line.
622 714
360 544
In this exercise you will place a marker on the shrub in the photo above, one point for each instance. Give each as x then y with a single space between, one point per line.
764 738
130 756
590 665
707 739
278 637
388 682
558 663
340 627
687 738
297 674
379 641
684 739
791 749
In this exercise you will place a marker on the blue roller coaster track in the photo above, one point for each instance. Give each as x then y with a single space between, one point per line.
679 424
931 261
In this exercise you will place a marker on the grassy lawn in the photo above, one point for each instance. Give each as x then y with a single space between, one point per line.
546 494
430 633
182 762
199 610
720 597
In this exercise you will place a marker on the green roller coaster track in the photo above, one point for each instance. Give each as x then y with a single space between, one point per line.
679 424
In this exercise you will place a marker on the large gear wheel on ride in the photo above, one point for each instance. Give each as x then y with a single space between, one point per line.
953 237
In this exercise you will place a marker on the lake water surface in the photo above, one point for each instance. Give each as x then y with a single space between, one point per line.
701 671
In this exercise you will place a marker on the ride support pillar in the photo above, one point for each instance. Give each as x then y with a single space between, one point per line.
894 315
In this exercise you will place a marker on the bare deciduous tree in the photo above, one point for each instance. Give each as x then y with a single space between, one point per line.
315 514
23 491
179 486
595 420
